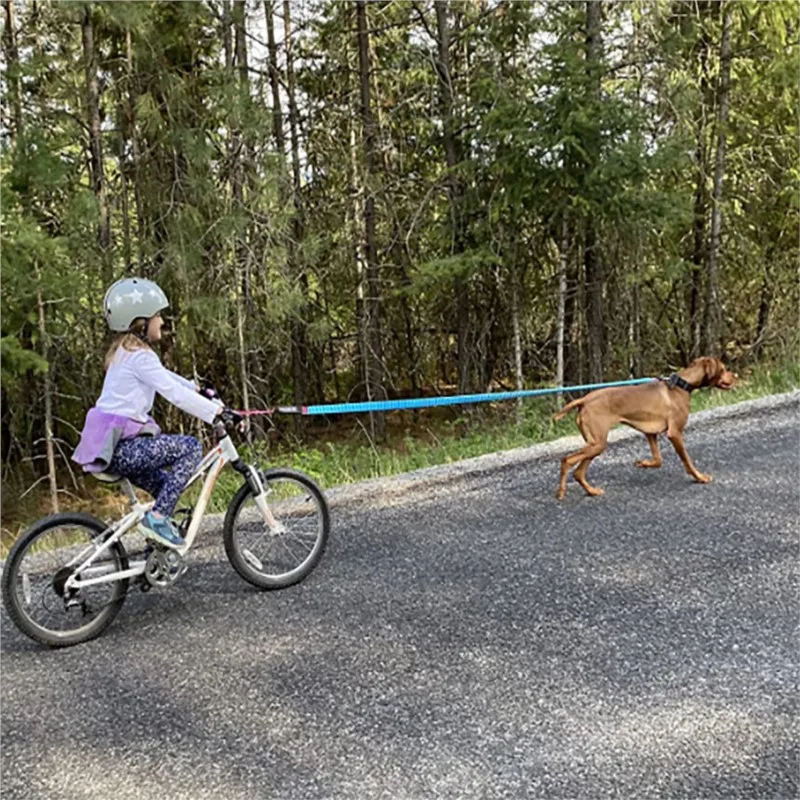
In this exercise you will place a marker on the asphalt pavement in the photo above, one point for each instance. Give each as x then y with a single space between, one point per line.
465 636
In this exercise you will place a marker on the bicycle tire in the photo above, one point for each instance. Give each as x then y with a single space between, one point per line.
16 581
290 509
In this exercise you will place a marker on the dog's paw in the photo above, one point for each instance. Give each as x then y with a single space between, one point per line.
701 478
646 463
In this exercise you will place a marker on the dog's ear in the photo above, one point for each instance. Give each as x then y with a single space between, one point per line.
713 369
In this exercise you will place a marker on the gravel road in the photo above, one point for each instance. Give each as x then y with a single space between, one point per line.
465 636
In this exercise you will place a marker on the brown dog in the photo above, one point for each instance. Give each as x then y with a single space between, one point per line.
651 408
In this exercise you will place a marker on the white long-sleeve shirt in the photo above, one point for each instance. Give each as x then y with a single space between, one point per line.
134 377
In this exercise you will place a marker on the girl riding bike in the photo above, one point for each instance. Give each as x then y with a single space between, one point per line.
66 577
119 435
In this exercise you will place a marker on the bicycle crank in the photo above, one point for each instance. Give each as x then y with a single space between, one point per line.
164 567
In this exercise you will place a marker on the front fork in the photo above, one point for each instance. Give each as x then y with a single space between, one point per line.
257 486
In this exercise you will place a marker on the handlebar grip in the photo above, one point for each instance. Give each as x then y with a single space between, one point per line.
220 431
226 420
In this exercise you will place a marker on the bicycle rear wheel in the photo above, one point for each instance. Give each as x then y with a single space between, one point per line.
36 571
275 559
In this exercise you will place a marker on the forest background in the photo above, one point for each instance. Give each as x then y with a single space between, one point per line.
362 200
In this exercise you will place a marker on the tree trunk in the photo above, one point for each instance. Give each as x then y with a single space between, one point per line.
96 142
227 38
299 357
299 340
575 312
48 400
354 212
764 306
12 70
123 191
242 146
401 258
700 199
562 301
698 250
518 377
594 309
274 82
411 350
454 189
134 139
374 354
240 31
635 327
712 312
293 117
237 178
593 264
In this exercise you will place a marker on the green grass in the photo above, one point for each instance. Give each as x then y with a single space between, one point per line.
415 440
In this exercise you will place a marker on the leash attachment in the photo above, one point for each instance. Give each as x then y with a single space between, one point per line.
268 412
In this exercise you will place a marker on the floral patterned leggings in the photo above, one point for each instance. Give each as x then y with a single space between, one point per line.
144 460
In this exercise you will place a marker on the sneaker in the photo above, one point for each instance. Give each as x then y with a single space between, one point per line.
162 530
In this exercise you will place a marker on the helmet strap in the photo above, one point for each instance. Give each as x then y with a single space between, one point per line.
143 335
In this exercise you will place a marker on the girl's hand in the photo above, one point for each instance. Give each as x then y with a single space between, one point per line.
208 390
230 419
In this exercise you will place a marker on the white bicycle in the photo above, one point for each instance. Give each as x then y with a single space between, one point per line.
66 578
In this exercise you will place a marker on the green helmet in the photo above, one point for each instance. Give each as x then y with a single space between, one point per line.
131 298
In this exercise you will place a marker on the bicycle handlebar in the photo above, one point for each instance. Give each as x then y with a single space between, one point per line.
226 420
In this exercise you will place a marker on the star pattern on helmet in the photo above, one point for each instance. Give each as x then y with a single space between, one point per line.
135 296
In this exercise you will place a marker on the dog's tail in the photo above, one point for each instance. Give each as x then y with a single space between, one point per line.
567 408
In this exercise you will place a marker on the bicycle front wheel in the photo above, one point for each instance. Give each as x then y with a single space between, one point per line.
35 575
279 556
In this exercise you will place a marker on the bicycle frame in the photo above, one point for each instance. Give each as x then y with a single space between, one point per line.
212 464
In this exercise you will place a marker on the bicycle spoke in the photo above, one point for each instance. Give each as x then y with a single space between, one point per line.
278 557
38 569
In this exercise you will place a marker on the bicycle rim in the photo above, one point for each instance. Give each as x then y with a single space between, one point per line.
34 580
275 558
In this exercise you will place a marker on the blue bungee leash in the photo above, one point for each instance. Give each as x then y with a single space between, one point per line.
430 402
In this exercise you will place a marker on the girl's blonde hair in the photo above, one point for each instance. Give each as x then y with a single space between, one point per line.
133 339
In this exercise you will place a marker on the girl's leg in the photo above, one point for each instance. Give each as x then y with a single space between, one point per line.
143 459
151 481
189 453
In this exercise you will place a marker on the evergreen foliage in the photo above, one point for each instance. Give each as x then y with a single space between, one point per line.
507 142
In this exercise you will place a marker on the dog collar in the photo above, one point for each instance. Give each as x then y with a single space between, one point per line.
676 380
